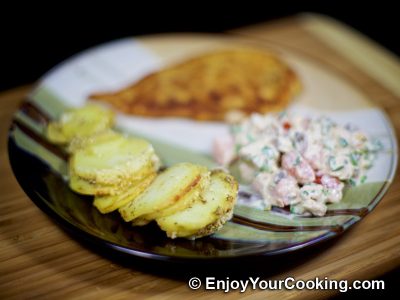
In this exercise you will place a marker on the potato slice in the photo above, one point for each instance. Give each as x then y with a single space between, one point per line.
80 142
206 215
81 122
166 190
183 203
114 161
106 204
54 133
85 187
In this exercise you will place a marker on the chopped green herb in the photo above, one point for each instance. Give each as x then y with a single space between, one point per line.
333 165
354 157
267 151
352 182
332 162
250 138
338 168
363 179
378 146
258 160
236 128
343 142
265 168
297 161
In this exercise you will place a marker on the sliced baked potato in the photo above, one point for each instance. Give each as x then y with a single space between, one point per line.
184 202
80 142
86 187
206 215
121 172
106 204
81 122
114 161
166 190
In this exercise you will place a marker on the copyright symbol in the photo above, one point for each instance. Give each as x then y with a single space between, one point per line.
194 283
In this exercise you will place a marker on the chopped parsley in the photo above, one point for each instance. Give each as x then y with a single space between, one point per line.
363 179
343 142
354 158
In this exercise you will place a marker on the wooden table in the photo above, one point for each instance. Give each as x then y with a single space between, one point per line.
39 260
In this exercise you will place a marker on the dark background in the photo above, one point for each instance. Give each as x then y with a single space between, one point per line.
33 38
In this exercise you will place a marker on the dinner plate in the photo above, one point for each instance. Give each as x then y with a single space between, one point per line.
41 167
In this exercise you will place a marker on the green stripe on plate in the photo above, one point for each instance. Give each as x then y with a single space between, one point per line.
288 220
26 143
35 126
232 231
358 196
48 102
172 154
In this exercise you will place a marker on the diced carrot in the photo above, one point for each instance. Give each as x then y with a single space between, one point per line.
287 125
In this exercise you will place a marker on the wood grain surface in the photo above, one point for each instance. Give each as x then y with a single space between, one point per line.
40 260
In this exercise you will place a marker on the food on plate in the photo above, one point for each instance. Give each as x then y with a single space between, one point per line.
80 123
210 86
108 167
86 187
174 189
297 161
208 213
109 203
80 142
122 173
114 161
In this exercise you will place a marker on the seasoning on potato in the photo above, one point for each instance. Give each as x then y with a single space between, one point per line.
122 173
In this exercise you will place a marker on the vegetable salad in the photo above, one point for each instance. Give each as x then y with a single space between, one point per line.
297 161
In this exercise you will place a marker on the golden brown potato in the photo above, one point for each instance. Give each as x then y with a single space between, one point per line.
85 187
184 202
166 190
80 142
206 215
114 161
106 204
81 122
121 172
